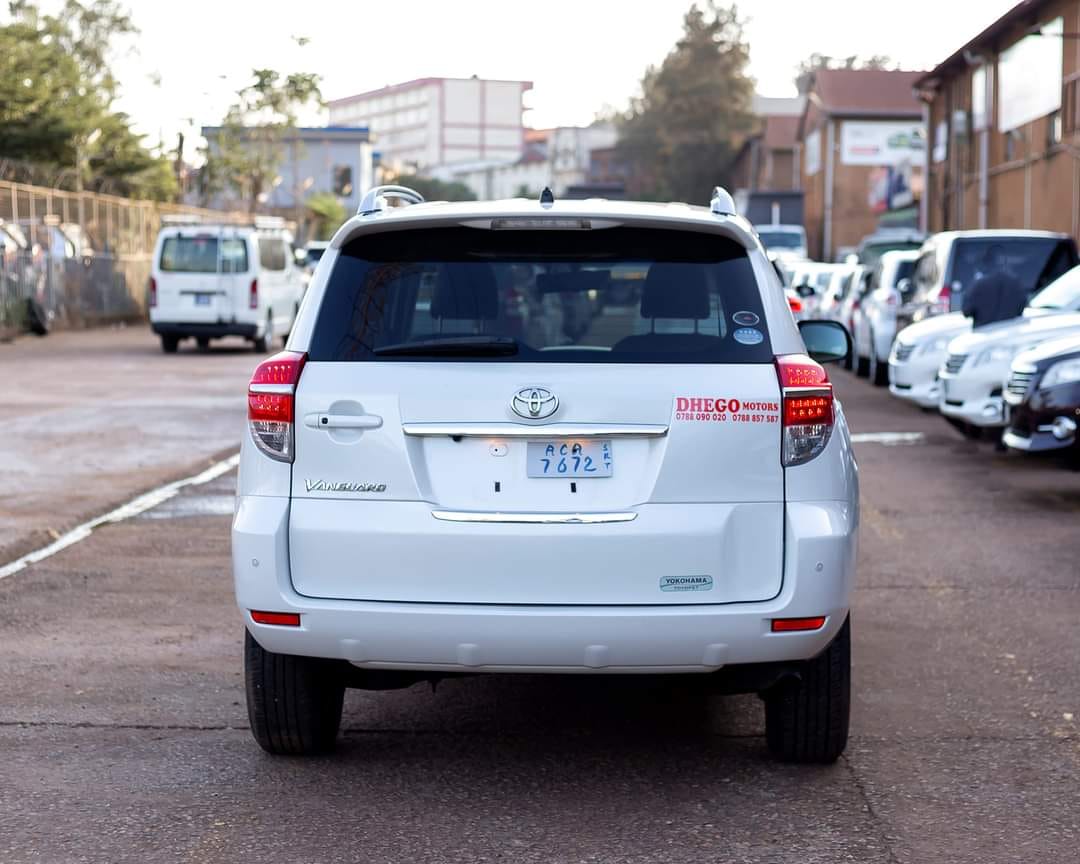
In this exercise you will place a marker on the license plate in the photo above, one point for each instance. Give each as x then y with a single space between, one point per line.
203 299
562 459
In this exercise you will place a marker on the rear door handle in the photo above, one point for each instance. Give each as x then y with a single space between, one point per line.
342 421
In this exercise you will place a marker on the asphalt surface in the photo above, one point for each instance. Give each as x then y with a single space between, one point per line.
124 733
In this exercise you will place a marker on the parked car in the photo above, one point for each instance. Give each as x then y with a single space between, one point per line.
874 319
783 241
1043 394
977 365
873 246
951 261
422 493
810 280
839 285
211 281
921 349
860 284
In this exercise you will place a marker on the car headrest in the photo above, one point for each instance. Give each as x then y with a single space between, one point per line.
466 291
675 291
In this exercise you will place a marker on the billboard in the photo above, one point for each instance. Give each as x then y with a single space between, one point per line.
882 143
1029 77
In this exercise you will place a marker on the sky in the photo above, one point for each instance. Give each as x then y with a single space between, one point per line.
581 55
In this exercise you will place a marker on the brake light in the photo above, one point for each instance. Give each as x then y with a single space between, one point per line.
795 303
270 403
281 619
808 407
794 625
153 292
254 302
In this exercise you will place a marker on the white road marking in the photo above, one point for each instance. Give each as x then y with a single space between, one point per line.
133 507
889 439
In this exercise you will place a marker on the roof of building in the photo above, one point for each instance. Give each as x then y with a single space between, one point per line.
346 133
421 82
780 132
1025 12
866 92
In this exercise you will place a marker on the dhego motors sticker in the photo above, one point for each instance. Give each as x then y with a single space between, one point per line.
721 410
686 583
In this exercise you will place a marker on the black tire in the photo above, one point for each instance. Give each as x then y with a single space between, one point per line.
294 703
169 343
862 366
262 343
203 342
807 720
878 371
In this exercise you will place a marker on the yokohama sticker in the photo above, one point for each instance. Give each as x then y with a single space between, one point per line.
717 409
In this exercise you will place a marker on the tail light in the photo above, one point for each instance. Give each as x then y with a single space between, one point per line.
254 294
808 407
153 292
795 303
271 396
893 300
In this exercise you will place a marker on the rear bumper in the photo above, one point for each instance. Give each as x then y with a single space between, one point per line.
818 574
209 330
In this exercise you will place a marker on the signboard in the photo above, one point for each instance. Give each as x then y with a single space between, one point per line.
1029 77
881 143
894 187
813 152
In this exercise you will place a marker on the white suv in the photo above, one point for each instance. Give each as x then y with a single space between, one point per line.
573 436
210 281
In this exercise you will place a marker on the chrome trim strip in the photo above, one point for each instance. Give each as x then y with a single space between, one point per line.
283 389
807 391
533 518
550 430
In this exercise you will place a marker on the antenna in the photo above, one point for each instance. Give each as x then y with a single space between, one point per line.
547 198
722 203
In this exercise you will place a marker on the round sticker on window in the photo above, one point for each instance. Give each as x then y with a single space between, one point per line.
745 319
748 336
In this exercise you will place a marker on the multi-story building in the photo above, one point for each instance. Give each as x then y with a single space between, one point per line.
334 159
765 171
862 143
1004 124
439 121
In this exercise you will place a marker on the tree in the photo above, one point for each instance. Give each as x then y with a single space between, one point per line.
327 215
436 190
680 134
248 149
804 77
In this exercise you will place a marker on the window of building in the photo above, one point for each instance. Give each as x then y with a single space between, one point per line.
1070 105
343 183
1054 129
1014 145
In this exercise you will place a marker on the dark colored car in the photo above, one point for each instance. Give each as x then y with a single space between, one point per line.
1043 392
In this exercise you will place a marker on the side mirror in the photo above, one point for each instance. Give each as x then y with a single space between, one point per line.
904 286
826 341
851 259
804 290
300 256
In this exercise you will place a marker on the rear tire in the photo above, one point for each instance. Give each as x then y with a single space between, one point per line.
169 343
807 720
878 372
262 343
862 366
294 703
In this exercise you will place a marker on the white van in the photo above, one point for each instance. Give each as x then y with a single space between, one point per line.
210 281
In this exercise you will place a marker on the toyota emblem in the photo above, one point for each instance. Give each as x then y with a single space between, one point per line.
534 403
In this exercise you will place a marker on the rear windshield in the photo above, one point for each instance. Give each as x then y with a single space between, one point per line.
200 254
871 253
781 239
1034 261
615 295
1064 293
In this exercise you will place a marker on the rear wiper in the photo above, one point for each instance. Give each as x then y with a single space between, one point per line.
464 346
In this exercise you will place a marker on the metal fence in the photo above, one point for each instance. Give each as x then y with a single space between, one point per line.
84 257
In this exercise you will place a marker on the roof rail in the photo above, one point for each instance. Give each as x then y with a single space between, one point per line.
722 204
377 197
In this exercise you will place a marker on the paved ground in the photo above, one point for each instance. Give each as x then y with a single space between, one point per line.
124 733
70 398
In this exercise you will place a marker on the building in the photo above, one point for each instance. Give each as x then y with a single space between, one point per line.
765 171
1004 124
862 143
559 158
334 159
439 121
